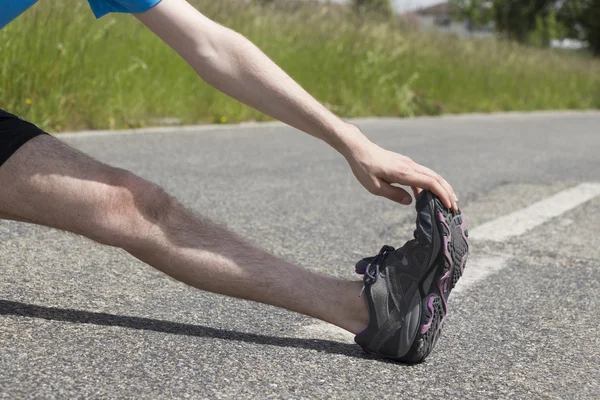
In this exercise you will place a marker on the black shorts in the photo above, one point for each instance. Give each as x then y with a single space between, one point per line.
14 133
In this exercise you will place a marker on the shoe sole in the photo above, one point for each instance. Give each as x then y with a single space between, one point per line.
449 266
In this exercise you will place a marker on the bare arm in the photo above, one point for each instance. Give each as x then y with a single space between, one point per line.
233 65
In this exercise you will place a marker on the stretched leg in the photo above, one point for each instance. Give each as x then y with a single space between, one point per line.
49 183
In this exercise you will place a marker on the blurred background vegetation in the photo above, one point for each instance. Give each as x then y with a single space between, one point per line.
64 70
538 22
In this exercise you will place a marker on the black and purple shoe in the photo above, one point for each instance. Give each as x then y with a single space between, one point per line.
407 289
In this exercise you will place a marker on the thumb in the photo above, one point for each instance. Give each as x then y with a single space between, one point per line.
394 193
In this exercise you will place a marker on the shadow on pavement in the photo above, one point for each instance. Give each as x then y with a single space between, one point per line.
87 317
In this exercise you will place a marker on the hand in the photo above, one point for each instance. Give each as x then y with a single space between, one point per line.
378 169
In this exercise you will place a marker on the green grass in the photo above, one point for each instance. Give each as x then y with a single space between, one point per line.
64 70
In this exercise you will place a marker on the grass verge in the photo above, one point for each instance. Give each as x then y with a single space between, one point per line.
64 70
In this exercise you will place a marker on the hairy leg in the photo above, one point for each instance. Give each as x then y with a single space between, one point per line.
49 183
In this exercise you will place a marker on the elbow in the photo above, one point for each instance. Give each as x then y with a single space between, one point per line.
208 49
217 55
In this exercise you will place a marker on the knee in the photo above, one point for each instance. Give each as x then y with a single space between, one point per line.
134 209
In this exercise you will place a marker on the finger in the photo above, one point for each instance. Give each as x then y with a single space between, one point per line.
393 193
427 182
429 172
411 177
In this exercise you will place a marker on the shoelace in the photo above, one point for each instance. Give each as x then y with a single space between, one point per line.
372 270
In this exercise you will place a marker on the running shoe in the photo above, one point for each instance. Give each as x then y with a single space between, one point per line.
406 290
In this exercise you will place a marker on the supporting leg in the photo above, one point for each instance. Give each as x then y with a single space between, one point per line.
49 183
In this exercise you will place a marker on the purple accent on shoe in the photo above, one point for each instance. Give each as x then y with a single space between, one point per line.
363 331
440 327
442 285
425 327
361 272
443 281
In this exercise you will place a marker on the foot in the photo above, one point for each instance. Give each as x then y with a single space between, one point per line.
406 290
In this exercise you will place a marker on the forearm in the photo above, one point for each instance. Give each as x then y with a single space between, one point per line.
232 64
241 70
235 66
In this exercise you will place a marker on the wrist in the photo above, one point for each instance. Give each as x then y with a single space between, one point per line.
350 141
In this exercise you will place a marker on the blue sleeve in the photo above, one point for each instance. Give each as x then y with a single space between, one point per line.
11 9
103 7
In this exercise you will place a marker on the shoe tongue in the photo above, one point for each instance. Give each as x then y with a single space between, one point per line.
424 223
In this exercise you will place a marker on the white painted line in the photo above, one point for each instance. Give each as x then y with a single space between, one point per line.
479 268
524 220
324 331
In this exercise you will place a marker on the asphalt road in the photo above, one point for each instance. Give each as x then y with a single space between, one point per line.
78 320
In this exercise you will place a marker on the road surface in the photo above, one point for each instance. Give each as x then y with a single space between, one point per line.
79 320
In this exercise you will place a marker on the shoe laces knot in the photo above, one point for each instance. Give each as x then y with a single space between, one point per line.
374 267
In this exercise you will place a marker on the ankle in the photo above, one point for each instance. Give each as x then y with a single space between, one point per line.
353 315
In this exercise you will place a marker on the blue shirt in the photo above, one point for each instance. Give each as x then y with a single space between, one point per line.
11 9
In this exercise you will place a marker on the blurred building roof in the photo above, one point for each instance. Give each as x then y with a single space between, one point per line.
444 8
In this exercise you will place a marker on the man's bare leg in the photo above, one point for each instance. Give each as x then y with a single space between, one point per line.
49 183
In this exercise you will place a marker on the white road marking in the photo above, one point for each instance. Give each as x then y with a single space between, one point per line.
482 266
524 220
325 331
479 268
